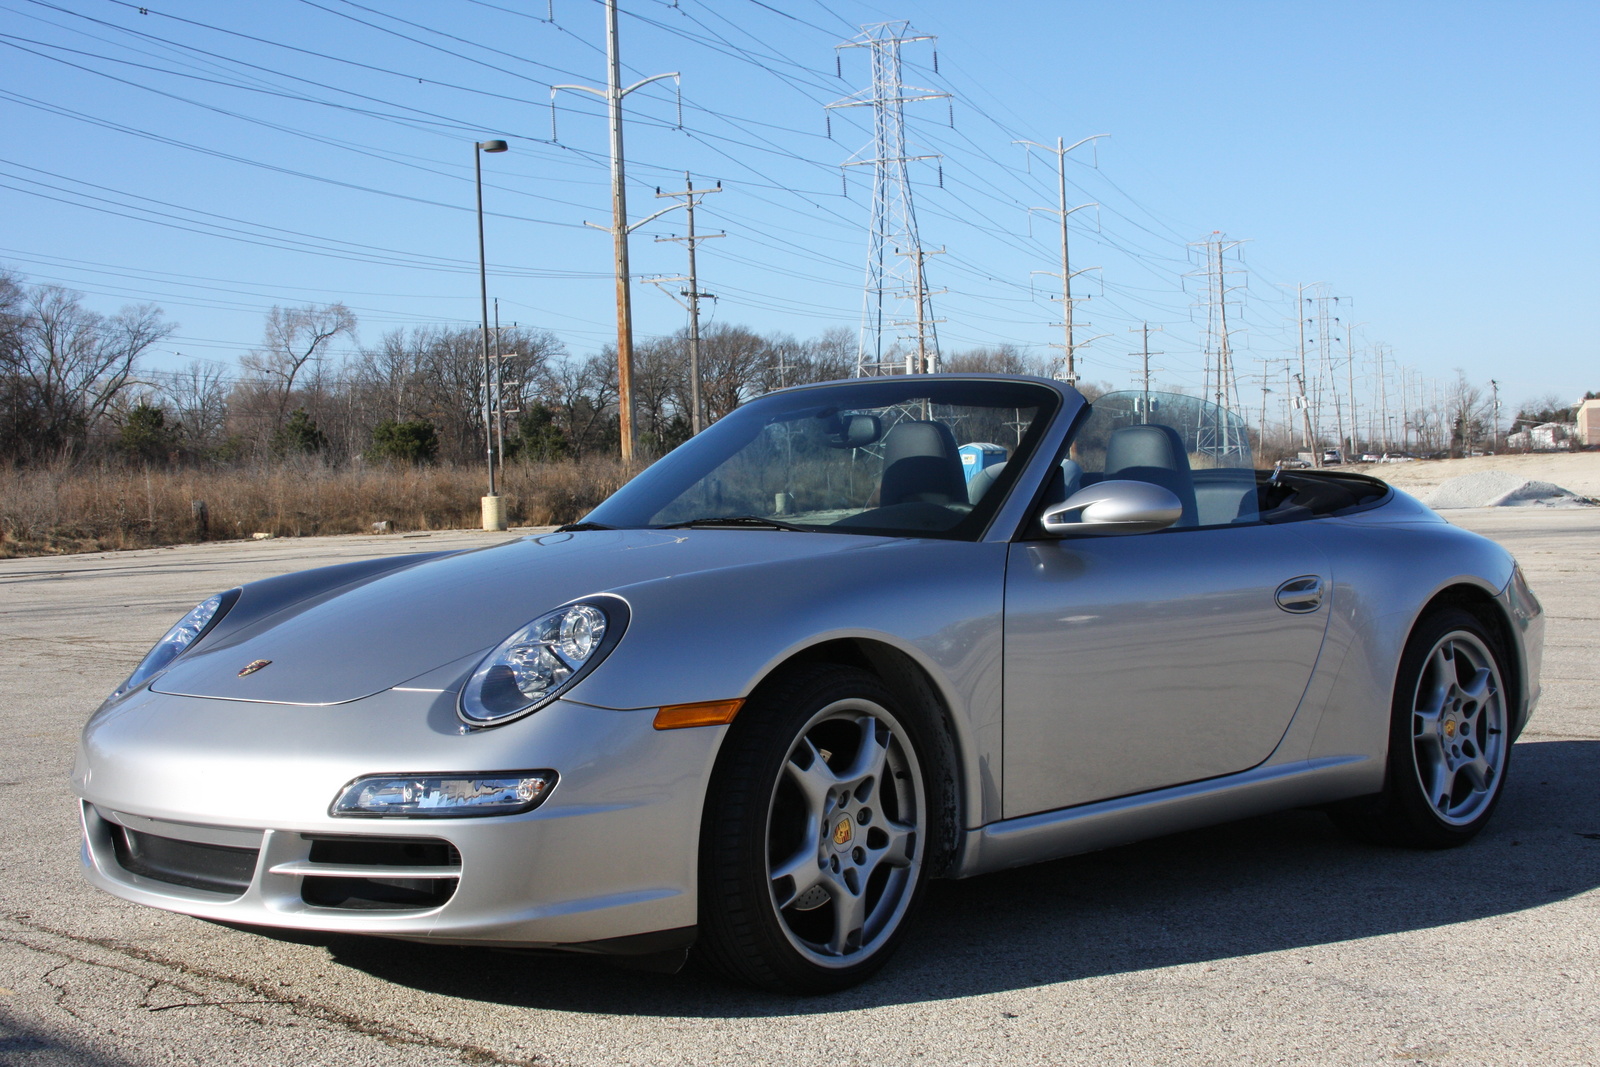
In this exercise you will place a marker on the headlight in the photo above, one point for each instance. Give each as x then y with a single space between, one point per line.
444 796
543 659
186 632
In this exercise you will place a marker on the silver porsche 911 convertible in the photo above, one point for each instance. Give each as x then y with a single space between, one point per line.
852 637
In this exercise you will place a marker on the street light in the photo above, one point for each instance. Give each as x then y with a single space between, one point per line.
494 511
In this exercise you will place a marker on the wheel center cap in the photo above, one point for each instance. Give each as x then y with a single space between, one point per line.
844 832
1449 727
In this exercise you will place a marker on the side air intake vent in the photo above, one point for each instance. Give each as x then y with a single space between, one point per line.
377 873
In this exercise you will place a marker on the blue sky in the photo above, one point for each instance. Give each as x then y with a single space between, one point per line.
1434 163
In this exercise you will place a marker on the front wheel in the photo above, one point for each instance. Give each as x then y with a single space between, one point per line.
817 830
1449 741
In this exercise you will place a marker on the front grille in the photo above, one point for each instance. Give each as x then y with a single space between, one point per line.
215 868
408 873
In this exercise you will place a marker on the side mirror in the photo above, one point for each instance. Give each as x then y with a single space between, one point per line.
1114 507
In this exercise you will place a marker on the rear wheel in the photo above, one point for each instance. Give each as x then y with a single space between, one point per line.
1449 739
816 833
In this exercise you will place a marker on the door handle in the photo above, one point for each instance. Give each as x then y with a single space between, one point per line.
1301 595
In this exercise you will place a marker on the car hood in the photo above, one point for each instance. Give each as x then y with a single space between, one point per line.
404 626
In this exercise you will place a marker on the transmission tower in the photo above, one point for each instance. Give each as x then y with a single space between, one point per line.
894 251
1222 384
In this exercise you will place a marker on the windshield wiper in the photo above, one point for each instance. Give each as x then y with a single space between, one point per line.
732 522
576 527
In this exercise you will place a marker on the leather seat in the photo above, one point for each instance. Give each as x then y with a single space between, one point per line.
1156 454
921 464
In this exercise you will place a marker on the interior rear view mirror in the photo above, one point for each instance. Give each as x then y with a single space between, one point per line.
856 431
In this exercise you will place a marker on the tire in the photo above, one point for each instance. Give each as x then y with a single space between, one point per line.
1449 738
818 831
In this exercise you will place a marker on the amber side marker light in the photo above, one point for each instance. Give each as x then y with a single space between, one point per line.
706 713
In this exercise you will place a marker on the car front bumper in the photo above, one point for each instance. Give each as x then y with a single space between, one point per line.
606 862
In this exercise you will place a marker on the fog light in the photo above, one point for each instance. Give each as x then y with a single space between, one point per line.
444 796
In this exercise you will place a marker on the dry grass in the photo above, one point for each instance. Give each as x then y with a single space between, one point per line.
84 508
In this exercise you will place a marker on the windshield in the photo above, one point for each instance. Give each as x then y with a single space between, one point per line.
905 455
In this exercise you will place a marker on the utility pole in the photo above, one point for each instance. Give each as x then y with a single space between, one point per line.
1494 427
1289 401
690 197
619 229
925 360
1383 399
1326 325
1405 409
1308 432
1144 376
1261 430
1304 404
1350 383
1069 346
894 218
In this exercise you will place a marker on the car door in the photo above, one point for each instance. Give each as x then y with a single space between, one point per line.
1149 660
1137 662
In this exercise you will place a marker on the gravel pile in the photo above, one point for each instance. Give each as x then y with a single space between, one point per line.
1501 489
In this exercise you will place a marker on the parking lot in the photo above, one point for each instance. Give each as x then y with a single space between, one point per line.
1273 940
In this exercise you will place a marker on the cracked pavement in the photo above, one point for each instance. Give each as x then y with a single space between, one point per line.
1273 940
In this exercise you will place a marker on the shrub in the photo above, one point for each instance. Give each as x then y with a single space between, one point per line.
404 442
68 507
145 435
298 436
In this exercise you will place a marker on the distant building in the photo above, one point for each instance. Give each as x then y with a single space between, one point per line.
1589 422
1546 437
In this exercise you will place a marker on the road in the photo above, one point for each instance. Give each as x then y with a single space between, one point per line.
1273 940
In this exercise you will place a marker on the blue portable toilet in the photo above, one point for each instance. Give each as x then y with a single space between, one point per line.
978 456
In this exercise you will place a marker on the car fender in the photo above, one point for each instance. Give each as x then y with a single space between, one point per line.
1385 576
749 620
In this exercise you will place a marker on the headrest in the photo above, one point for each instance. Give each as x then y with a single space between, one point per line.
1146 446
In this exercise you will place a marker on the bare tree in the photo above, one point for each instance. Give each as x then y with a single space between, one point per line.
583 393
453 391
198 396
524 355
11 316
391 374
1003 359
831 356
17 428
733 361
66 365
661 384
1467 413
292 338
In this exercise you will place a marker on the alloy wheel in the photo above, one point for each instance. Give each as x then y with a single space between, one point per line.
1459 728
845 829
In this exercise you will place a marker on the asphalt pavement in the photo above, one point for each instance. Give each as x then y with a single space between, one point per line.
1273 940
